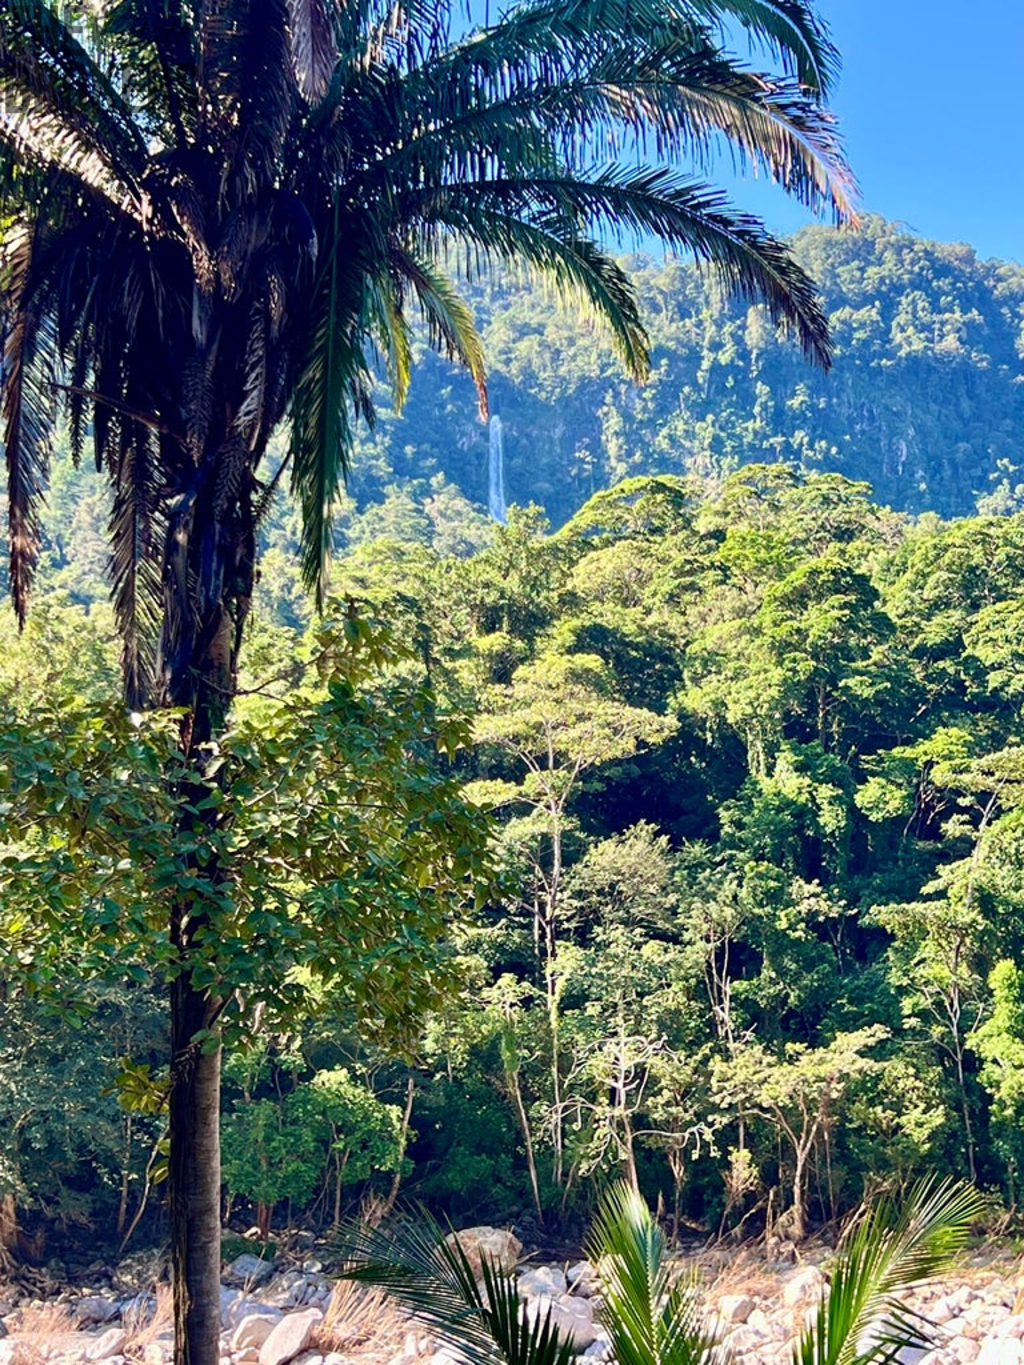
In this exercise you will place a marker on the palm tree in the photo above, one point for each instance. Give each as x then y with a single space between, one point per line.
652 1316
217 212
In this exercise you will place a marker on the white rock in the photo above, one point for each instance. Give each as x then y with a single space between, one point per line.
734 1308
544 1280
94 1310
290 1337
111 1343
309 1358
253 1331
582 1270
805 1284
965 1350
573 1317
249 1270
999 1351
287 1290
442 1356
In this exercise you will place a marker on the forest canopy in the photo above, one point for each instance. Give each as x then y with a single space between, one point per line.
754 761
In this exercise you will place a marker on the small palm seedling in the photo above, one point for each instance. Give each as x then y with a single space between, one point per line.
652 1316
862 1320
431 1274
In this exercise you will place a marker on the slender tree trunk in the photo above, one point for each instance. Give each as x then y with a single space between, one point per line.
515 1090
8 1229
403 1142
122 1206
551 985
797 1212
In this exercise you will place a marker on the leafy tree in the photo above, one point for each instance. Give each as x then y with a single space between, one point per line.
558 720
341 875
1000 1043
799 1094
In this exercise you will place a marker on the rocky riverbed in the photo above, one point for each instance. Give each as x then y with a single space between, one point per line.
296 1314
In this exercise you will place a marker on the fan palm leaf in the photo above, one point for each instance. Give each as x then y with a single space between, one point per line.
862 1321
432 1275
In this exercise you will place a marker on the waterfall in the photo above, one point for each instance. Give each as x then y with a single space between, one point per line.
496 473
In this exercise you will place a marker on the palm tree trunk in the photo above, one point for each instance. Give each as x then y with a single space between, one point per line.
209 548
194 1178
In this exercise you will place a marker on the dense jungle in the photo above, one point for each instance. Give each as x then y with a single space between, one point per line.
738 688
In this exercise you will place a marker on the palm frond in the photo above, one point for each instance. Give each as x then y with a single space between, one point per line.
135 568
313 48
333 384
685 214
449 319
28 411
431 1275
650 1319
789 29
385 323
862 1321
583 274
56 95
159 75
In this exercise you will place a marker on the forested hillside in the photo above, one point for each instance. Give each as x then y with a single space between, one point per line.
754 762
924 401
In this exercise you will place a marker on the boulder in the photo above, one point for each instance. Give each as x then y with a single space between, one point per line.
242 1306
94 1310
288 1290
583 1278
500 1248
734 1308
290 1337
573 1317
253 1331
248 1270
544 1280
999 1351
802 1287
111 1343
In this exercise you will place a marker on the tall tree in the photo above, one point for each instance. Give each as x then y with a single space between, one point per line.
215 213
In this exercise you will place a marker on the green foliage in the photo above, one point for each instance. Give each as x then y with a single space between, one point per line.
862 1321
697 878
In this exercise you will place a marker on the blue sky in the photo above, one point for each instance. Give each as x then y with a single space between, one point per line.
931 103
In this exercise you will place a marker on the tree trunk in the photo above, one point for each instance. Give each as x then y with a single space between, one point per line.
208 574
194 1178
8 1230
798 1217
403 1142
122 1205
